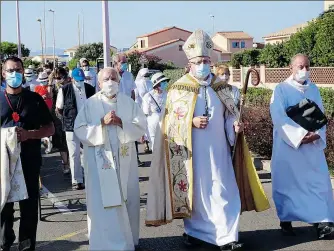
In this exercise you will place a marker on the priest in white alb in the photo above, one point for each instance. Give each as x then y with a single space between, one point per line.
192 175
108 125
302 189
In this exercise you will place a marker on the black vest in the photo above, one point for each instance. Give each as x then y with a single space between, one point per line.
70 110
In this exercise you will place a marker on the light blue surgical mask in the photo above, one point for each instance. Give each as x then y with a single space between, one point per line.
14 79
124 67
202 71
44 83
163 85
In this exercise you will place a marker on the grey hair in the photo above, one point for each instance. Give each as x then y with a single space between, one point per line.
298 55
110 70
117 58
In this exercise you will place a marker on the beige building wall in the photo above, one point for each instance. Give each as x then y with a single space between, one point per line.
328 4
220 42
274 40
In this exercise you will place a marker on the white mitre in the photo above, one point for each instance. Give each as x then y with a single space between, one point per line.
199 44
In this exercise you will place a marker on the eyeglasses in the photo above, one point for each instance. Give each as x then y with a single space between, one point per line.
12 70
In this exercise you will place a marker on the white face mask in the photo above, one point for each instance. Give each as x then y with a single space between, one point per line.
224 77
110 88
302 75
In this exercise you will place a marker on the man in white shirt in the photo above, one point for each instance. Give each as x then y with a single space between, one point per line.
71 97
127 84
90 74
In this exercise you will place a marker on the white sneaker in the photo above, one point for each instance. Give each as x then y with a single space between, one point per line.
49 148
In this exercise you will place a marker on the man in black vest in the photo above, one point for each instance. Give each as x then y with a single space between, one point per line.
71 97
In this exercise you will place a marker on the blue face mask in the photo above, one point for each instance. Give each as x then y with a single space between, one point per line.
202 71
44 83
163 85
124 67
14 79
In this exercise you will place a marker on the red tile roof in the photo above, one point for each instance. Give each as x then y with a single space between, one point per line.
165 29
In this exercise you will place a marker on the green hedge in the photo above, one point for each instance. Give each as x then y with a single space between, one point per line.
259 126
174 74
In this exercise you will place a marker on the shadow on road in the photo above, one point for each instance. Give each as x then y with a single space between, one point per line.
260 240
272 239
61 245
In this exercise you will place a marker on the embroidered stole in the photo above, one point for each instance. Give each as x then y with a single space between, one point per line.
113 176
180 106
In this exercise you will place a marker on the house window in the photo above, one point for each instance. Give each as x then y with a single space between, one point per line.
235 44
71 54
243 44
142 43
180 47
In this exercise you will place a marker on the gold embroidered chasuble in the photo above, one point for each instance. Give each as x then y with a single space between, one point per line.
171 187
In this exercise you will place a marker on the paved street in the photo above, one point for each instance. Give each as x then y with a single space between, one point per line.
64 226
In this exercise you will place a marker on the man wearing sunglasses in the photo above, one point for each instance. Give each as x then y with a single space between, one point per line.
28 112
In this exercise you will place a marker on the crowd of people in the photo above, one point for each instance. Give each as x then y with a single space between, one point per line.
191 127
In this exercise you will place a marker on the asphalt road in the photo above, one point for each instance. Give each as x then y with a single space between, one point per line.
64 225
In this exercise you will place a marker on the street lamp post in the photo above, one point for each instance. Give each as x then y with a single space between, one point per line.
213 24
18 30
54 39
106 38
44 33
40 21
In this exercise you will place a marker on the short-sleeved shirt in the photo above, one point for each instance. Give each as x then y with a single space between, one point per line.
33 115
127 84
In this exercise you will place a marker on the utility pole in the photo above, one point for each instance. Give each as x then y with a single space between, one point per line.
54 39
213 24
83 29
18 30
40 22
105 31
79 29
44 34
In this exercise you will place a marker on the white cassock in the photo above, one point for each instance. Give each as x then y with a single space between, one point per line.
216 201
302 188
111 171
153 106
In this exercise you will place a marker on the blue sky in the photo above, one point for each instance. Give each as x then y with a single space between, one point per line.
131 19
